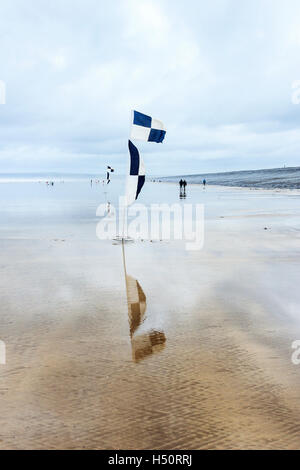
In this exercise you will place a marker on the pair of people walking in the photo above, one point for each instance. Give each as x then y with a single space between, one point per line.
182 184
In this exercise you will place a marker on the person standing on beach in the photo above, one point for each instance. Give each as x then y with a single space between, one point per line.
184 184
204 182
180 183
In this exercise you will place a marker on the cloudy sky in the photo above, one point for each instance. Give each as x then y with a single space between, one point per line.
219 74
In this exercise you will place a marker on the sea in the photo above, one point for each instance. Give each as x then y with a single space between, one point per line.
285 178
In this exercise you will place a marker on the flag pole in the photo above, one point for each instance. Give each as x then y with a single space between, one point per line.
126 280
124 260
123 229
104 184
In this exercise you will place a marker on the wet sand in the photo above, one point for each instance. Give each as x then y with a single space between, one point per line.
205 362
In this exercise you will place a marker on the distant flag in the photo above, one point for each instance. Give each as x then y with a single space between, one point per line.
109 170
146 128
136 178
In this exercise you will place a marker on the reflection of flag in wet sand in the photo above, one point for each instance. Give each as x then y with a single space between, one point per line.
145 344
136 303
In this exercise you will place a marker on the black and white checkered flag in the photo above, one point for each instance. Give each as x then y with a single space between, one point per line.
136 178
146 128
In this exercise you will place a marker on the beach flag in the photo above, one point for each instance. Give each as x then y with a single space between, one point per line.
109 170
146 128
136 177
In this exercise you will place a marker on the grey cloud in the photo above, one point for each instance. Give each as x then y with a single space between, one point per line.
219 75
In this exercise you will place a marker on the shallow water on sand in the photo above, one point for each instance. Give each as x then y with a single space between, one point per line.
202 357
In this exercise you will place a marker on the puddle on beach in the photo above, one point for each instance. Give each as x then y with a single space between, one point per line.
184 350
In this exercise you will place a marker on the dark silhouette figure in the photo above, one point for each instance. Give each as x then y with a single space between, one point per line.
182 194
204 182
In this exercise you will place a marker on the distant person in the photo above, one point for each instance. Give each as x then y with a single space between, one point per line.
181 183
204 182
184 184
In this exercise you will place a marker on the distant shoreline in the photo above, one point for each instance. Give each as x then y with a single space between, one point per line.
275 178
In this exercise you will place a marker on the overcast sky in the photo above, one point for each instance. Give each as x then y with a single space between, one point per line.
219 75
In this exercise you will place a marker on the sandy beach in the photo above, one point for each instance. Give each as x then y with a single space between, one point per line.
210 364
